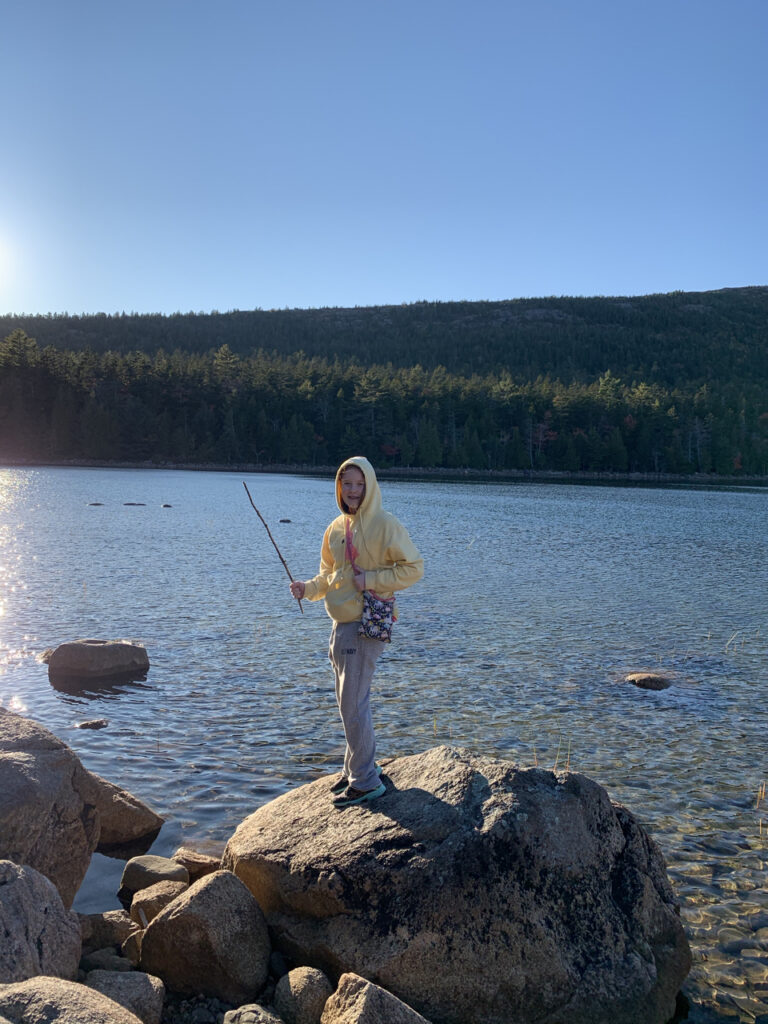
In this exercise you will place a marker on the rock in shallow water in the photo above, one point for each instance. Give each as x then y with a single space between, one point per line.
648 680
125 821
476 891
46 817
97 659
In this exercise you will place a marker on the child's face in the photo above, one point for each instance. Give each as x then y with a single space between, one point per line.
352 488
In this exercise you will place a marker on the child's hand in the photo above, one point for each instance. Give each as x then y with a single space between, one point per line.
297 589
360 580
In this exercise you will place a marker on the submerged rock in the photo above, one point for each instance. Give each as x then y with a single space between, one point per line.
648 680
476 891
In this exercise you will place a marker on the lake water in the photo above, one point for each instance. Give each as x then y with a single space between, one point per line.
537 600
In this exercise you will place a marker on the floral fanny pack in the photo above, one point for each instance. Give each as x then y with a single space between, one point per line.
378 615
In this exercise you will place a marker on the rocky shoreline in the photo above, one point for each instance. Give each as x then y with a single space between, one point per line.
437 474
473 892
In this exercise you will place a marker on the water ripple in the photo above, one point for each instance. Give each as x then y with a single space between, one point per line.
536 603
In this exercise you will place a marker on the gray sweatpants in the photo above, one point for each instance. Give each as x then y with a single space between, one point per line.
354 659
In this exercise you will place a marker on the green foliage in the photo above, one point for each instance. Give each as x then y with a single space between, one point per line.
675 383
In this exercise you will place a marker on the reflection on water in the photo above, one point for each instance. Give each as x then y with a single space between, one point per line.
537 600
109 688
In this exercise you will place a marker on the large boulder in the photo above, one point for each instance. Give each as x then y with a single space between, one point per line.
476 891
212 940
39 936
55 1001
45 819
357 1001
54 813
97 659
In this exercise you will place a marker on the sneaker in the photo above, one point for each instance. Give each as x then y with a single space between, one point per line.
341 785
358 796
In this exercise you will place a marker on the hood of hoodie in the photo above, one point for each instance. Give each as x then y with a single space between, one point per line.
384 550
370 506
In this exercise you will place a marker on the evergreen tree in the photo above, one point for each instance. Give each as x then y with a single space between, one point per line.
429 450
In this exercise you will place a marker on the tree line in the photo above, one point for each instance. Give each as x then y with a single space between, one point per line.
668 339
267 407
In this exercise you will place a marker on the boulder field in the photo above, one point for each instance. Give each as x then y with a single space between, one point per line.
473 892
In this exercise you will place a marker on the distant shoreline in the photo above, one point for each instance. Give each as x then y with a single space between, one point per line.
693 480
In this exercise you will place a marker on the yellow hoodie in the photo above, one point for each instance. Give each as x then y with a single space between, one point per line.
384 551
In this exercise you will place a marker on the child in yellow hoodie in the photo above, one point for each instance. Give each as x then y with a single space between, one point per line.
364 548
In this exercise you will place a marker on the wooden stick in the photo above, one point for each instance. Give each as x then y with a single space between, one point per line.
277 549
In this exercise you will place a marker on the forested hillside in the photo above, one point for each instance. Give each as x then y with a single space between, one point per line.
662 339
664 383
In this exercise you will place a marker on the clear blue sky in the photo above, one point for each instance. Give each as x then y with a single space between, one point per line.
176 155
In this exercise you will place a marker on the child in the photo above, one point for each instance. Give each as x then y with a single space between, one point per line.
365 548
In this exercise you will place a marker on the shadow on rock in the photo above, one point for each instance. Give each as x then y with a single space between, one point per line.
422 813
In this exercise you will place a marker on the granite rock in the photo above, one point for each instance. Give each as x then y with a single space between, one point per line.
476 891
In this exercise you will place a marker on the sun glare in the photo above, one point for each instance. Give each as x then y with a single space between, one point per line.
9 486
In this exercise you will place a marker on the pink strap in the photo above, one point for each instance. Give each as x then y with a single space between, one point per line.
352 554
